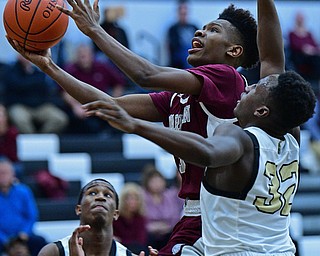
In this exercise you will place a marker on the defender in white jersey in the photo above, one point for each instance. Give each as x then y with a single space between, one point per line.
252 169
97 208
256 219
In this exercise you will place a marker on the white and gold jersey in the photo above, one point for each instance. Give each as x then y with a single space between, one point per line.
258 219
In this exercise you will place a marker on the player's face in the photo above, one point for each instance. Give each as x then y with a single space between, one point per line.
253 98
98 202
210 45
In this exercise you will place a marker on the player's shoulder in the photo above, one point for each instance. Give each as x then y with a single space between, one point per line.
230 129
50 249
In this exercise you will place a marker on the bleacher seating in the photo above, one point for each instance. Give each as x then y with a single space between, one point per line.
35 147
76 159
307 203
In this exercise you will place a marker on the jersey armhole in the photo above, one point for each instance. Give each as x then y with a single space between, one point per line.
60 248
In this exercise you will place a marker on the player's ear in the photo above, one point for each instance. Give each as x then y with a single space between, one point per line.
116 215
235 51
78 210
262 111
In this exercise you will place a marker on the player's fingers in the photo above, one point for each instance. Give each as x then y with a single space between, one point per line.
87 2
96 6
80 241
96 105
80 3
104 115
64 10
15 45
10 41
83 228
70 2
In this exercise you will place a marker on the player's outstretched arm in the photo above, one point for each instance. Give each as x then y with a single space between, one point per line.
205 152
79 90
138 105
270 40
138 69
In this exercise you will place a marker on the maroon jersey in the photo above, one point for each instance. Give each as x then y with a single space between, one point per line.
222 87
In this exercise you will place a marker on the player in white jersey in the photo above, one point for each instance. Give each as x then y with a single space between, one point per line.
235 220
97 208
252 169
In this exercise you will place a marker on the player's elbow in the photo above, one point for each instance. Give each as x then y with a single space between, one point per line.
148 77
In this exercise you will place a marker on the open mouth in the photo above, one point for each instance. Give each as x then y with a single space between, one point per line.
196 43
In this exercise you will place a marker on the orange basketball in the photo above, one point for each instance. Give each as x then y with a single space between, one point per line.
36 24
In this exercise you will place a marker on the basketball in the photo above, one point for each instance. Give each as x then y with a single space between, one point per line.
35 24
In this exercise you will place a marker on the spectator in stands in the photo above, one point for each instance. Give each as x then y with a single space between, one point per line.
102 76
110 24
17 247
130 228
179 37
305 51
313 127
163 208
19 212
8 140
97 209
29 102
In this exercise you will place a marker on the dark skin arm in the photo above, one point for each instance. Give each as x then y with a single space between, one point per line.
138 69
204 151
270 42
138 105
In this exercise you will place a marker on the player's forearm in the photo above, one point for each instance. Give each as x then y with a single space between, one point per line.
270 42
79 90
138 69
188 146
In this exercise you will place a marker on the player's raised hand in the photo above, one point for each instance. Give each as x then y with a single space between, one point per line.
40 59
152 252
76 242
85 16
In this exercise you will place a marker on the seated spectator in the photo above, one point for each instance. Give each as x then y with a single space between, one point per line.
20 211
305 51
111 25
163 207
8 140
100 75
130 227
29 102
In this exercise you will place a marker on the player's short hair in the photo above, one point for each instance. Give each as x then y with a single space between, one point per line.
245 23
294 100
84 188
